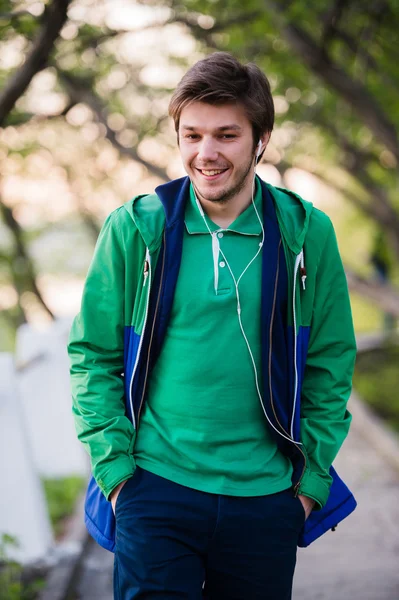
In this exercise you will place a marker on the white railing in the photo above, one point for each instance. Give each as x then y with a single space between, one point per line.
37 436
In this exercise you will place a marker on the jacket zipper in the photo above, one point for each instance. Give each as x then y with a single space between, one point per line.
271 338
296 487
152 330
298 261
147 272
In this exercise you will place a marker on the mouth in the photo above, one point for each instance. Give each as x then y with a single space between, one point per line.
211 174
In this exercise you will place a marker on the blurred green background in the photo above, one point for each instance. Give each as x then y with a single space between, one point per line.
84 93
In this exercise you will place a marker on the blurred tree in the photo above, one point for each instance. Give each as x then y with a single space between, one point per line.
80 65
40 38
84 98
334 72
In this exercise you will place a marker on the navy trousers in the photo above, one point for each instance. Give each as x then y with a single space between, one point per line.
174 542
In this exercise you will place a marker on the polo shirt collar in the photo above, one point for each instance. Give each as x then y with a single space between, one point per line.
247 223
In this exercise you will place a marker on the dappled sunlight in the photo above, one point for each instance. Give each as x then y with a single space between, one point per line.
66 173
307 185
84 129
269 173
62 294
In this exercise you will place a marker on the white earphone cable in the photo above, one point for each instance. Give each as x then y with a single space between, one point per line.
236 284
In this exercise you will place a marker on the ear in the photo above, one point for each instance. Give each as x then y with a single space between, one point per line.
262 144
265 139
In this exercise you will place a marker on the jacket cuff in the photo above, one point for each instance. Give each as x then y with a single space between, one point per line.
122 469
316 487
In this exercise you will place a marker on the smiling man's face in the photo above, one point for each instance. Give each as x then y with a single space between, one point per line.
217 149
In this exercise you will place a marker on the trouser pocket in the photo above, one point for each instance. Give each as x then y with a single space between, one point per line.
127 490
161 539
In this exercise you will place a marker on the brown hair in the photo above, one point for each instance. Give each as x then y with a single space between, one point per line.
220 79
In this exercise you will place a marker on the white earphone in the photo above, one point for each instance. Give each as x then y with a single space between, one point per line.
216 251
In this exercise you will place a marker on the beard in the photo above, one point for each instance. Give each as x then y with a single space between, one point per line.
228 192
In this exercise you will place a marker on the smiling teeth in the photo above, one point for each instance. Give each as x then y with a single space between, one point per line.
210 173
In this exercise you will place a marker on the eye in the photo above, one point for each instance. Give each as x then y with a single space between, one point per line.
191 136
228 136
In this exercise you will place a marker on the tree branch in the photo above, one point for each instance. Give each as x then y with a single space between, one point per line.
365 57
374 210
237 19
384 296
24 118
79 92
23 258
356 165
205 35
36 59
356 94
190 20
331 20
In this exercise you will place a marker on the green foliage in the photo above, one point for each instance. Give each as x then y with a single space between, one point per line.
20 24
13 581
376 379
10 570
354 37
18 118
89 65
8 329
366 317
62 495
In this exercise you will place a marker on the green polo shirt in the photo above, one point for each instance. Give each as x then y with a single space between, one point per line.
203 425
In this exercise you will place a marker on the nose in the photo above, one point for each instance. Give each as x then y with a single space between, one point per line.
207 150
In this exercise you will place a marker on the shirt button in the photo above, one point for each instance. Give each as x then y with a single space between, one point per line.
220 234
222 263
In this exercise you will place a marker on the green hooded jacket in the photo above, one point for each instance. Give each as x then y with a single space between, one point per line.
106 339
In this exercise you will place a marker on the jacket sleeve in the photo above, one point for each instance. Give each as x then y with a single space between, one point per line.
328 373
96 356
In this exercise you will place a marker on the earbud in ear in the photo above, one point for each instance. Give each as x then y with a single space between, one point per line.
258 149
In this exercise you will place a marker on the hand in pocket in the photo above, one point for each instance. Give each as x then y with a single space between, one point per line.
115 493
307 503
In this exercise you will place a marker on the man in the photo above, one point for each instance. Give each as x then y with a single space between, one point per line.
212 363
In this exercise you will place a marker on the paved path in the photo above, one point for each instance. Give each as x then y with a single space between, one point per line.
95 581
359 561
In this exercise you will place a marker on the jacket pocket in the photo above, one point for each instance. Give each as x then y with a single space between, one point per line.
99 517
340 504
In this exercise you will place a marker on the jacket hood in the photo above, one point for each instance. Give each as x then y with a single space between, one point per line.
150 213
293 213
147 213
